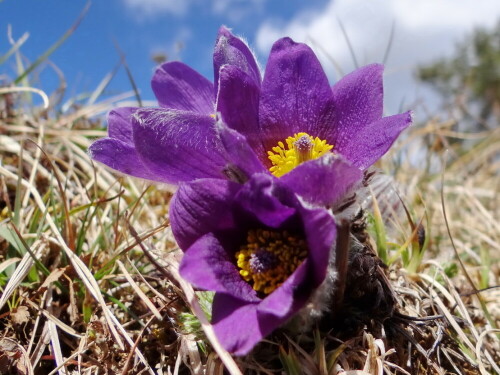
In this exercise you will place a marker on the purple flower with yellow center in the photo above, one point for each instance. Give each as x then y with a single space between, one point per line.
257 246
282 124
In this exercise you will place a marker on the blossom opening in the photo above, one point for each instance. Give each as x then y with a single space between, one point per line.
299 148
269 257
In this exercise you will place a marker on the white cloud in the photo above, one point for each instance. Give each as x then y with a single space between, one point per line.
424 30
233 9
222 6
148 8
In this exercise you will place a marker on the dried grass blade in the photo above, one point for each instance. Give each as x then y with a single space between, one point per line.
88 111
451 319
43 95
129 74
80 267
75 354
6 264
63 326
139 292
65 205
34 330
189 346
478 353
19 274
126 366
188 290
54 338
102 85
448 229
24 356
151 288
42 343
349 44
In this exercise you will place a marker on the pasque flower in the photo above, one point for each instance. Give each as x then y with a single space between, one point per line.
276 125
247 153
257 246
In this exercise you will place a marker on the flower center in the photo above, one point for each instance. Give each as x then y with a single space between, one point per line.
299 148
269 257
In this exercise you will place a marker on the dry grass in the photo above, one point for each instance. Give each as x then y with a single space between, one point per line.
88 265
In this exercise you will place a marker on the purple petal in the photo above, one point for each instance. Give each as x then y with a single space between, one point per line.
200 207
177 145
290 296
207 265
239 326
239 151
358 99
321 232
234 51
121 157
177 86
323 181
368 145
259 198
295 96
238 104
120 124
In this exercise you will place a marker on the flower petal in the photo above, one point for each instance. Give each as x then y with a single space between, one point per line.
178 145
177 86
290 296
120 124
122 157
259 199
238 104
295 95
239 151
200 207
231 50
368 145
321 232
207 265
323 181
239 326
358 99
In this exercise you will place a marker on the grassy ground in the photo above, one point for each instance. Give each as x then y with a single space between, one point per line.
88 265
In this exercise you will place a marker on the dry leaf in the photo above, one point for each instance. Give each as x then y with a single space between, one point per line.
20 315
54 276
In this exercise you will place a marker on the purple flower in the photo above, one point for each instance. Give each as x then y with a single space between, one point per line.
257 246
279 124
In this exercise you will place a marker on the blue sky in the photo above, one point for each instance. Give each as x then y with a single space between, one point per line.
140 30
185 30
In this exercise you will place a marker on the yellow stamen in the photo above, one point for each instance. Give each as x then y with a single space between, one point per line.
269 258
299 148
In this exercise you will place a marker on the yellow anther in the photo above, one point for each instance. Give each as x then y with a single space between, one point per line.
269 257
299 148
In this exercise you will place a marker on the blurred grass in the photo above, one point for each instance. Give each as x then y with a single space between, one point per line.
78 248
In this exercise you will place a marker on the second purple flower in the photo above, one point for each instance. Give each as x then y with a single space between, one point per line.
257 246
